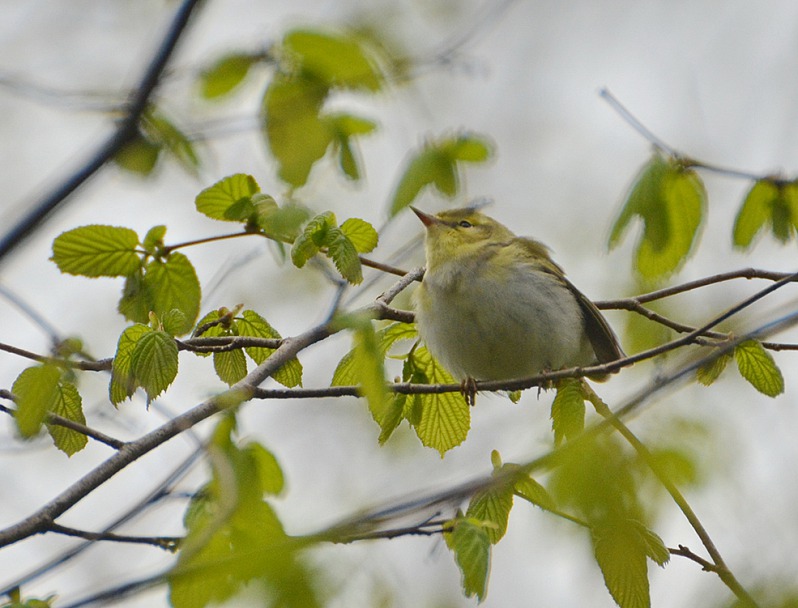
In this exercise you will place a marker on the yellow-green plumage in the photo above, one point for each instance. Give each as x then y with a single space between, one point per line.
494 306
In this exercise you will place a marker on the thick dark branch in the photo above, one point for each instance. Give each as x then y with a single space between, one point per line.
126 130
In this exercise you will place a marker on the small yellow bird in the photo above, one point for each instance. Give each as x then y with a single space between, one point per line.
494 306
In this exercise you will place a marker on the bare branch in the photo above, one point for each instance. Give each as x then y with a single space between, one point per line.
169 543
126 130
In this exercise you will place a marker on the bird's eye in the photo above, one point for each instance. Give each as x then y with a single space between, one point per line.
465 224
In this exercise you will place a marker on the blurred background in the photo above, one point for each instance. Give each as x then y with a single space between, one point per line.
716 80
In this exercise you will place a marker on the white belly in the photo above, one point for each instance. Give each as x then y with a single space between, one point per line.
517 328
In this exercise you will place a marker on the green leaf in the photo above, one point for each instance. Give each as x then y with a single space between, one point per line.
97 251
758 367
492 505
754 212
69 405
37 392
229 198
230 366
136 301
269 471
295 132
161 130
345 127
174 322
252 324
153 362
344 255
568 410
471 547
226 74
173 284
312 239
361 234
468 147
445 418
123 382
154 239
437 164
336 59
711 371
138 156
392 416
281 223
532 491
427 167
621 554
670 200
370 372
653 545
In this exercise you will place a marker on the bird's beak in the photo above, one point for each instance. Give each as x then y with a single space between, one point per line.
426 219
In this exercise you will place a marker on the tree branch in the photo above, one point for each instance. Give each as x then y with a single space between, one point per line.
169 543
126 130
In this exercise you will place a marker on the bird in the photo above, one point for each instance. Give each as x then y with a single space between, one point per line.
495 306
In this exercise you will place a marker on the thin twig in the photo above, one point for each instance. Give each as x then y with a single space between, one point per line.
720 568
170 543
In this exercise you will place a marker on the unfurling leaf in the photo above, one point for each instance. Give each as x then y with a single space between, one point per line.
97 251
123 383
568 410
323 232
711 371
68 405
758 367
153 362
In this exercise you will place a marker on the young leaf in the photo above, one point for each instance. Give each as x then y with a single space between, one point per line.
493 506
154 239
233 192
344 255
252 324
337 59
123 383
269 471
621 554
36 390
361 234
312 239
754 212
368 366
139 156
97 251
295 132
471 547
533 492
160 130
758 367
445 418
173 283
437 164
153 362
230 366
568 410
670 200
69 405
226 74
711 371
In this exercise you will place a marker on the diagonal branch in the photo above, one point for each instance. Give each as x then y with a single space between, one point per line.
126 130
